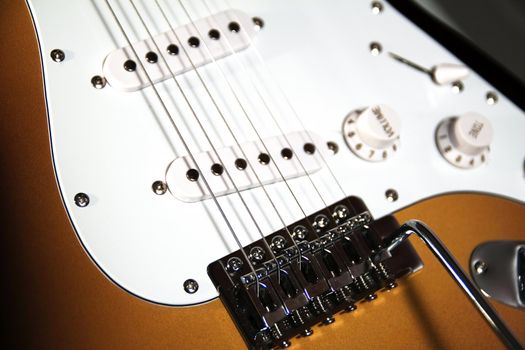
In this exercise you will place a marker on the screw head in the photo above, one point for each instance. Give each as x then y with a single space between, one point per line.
307 332
332 147
130 65
98 82
377 7
320 221
391 195
491 98
278 243
300 232
328 320
480 267
58 55
159 187
191 286
340 212
256 254
81 200
457 87
234 264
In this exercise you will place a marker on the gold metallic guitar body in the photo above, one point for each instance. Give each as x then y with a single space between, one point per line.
55 297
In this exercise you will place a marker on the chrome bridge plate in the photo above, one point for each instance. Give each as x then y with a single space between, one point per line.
335 259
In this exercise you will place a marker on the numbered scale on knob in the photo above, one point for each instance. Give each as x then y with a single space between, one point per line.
372 133
464 141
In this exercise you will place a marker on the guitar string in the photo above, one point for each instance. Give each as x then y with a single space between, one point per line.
288 102
267 195
251 123
245 113
252 217
244 70
185 144
237 100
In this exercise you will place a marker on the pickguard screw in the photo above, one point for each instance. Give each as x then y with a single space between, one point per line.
480 267
58 55
159 187
377 7
191 286
98 82
81 200
391 195
258 22
491 98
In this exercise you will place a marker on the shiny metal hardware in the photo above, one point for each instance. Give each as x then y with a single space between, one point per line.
159 187
58 55
81 200
98 82
451 265
391 195
498 269
191 286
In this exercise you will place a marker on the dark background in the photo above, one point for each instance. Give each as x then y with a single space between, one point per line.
495 26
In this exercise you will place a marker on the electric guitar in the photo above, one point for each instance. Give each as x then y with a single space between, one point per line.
261 152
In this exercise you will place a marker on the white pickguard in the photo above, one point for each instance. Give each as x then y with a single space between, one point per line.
113 145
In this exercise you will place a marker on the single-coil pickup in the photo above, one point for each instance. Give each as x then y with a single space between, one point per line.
194 44
249 166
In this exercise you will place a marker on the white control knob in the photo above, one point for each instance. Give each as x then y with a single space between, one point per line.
373 133
464 141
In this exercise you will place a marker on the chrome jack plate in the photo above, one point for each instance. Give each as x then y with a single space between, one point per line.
498 268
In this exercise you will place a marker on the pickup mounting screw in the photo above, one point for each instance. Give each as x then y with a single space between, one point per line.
191 286
58 55
98 82
159 187
258 22
480 267
332 147
391 195
257 254
81 200
234 264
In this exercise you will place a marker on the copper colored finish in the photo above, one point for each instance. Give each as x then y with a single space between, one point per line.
54 297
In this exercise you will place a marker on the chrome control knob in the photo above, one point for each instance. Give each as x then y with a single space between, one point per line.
464 141
372 133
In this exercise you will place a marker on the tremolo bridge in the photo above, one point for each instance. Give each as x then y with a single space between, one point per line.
337 257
